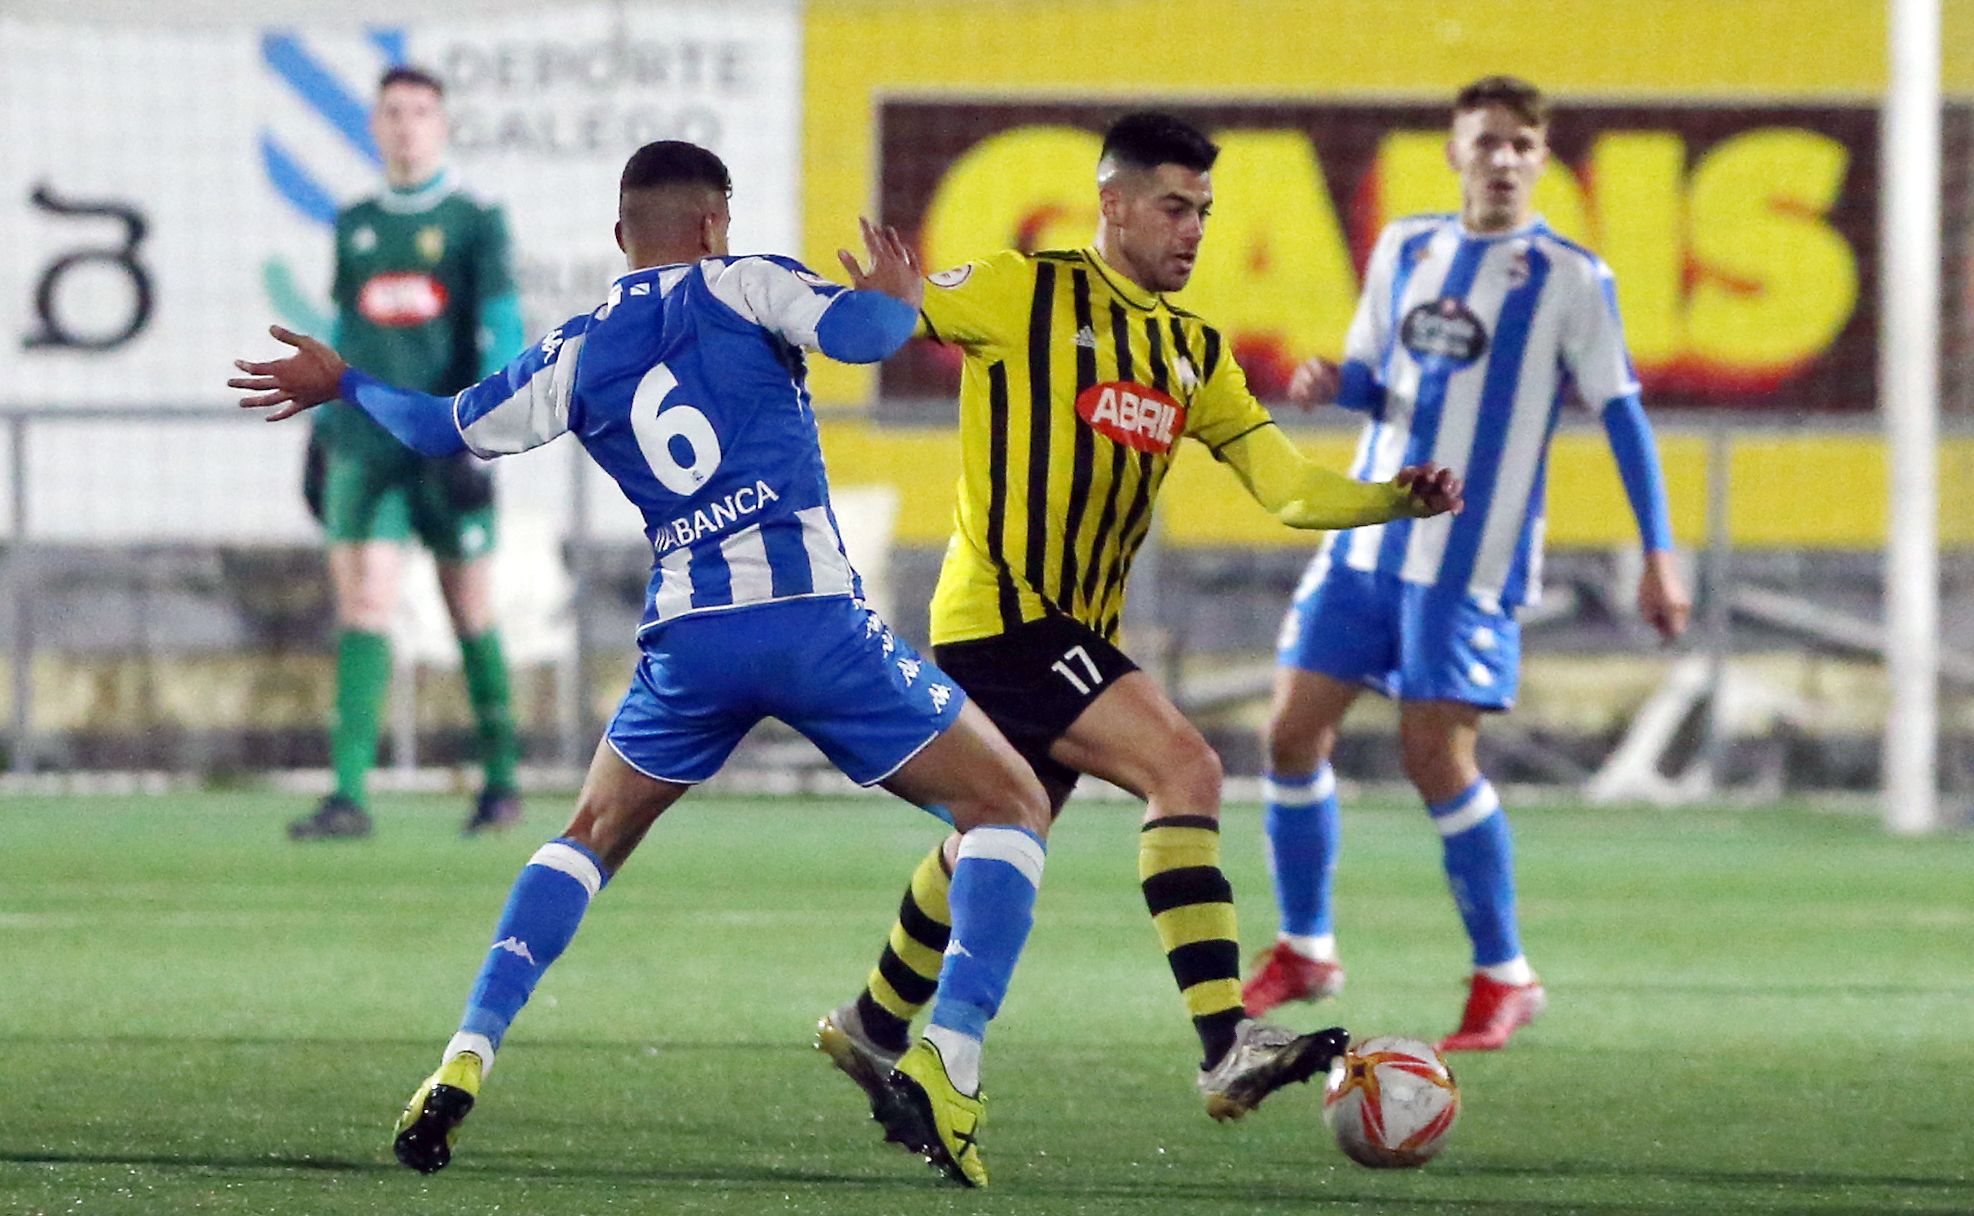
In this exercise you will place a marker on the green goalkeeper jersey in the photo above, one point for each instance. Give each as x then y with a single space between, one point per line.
424 298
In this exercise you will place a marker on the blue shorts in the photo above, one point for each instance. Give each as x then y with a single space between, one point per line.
827 667
1411 642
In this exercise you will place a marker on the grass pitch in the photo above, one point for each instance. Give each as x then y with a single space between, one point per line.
1751 1012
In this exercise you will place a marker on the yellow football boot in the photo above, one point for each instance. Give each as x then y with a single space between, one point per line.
430 1122
927 1114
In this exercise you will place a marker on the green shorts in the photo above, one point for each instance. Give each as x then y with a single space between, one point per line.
445 503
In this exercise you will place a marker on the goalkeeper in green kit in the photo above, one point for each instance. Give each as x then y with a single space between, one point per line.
424 299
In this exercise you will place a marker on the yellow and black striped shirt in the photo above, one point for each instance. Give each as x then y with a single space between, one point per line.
1076 388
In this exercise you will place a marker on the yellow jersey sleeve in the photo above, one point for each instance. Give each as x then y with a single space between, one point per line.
1304 494
1223 410
980 303
1241 434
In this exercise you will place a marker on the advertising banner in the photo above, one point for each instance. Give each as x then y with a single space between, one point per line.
166 193
1743 236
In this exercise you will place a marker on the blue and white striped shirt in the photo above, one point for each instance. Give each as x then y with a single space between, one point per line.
1464 350
688 387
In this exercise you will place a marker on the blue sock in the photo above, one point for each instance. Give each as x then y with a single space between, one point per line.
1302 847
1480 865
993 903
543 910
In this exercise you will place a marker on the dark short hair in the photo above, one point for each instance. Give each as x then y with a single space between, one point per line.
674 162
1147 139
1511 93
405 73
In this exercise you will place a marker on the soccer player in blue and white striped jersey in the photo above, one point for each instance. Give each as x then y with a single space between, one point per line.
1473 333
687 385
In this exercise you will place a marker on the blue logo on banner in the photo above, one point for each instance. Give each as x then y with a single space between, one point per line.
345 110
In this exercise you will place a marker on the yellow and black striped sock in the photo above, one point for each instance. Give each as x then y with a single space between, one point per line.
907 973
1192 907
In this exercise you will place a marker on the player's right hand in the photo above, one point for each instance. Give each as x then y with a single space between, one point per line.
894 268
305 379
1315 383
1435 490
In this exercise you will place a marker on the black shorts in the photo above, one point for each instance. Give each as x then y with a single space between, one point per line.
1033 681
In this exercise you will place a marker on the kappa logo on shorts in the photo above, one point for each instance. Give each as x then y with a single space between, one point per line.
909 669
940 694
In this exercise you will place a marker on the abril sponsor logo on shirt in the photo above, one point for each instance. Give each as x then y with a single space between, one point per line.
1132 414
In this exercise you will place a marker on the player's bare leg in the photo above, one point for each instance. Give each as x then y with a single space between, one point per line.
363 578
1135 738
1438 740
467 587
616 808
1302 826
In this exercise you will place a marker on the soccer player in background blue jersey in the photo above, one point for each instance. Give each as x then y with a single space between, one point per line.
688 387
1473 331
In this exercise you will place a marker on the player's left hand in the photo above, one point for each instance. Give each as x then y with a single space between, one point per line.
1662 597
1435 490
894 268
304 380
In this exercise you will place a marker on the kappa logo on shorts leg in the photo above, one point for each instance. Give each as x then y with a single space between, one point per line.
940 694
908 668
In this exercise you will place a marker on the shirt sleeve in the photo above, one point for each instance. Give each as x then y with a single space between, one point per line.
342 291
526 403
778 294
979 303
493 257
1638 468
1224 409
1241 434
1304 494
420 421
1362 387
1593 343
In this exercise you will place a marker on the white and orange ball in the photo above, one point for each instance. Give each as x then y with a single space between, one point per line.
1390 1102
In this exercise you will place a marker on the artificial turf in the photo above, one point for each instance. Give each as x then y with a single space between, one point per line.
1752 1011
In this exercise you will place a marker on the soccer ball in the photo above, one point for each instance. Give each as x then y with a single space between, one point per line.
1390 1102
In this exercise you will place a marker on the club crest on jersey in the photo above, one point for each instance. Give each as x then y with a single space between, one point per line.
1132 414
400 299
1445 327
950 278
1518 271
431 242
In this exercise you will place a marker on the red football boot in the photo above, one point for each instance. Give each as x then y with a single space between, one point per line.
1287 976
1495 1011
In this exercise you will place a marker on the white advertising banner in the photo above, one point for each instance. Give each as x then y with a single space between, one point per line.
164 194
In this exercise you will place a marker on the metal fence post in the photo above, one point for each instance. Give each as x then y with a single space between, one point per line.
20 629
1719 603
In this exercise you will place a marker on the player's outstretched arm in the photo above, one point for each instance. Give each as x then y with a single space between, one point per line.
1304 494
878 314
315 374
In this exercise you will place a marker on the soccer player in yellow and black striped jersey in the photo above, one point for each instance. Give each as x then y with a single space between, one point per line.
1080 378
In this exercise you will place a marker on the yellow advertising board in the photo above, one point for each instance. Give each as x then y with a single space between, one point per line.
1729 176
